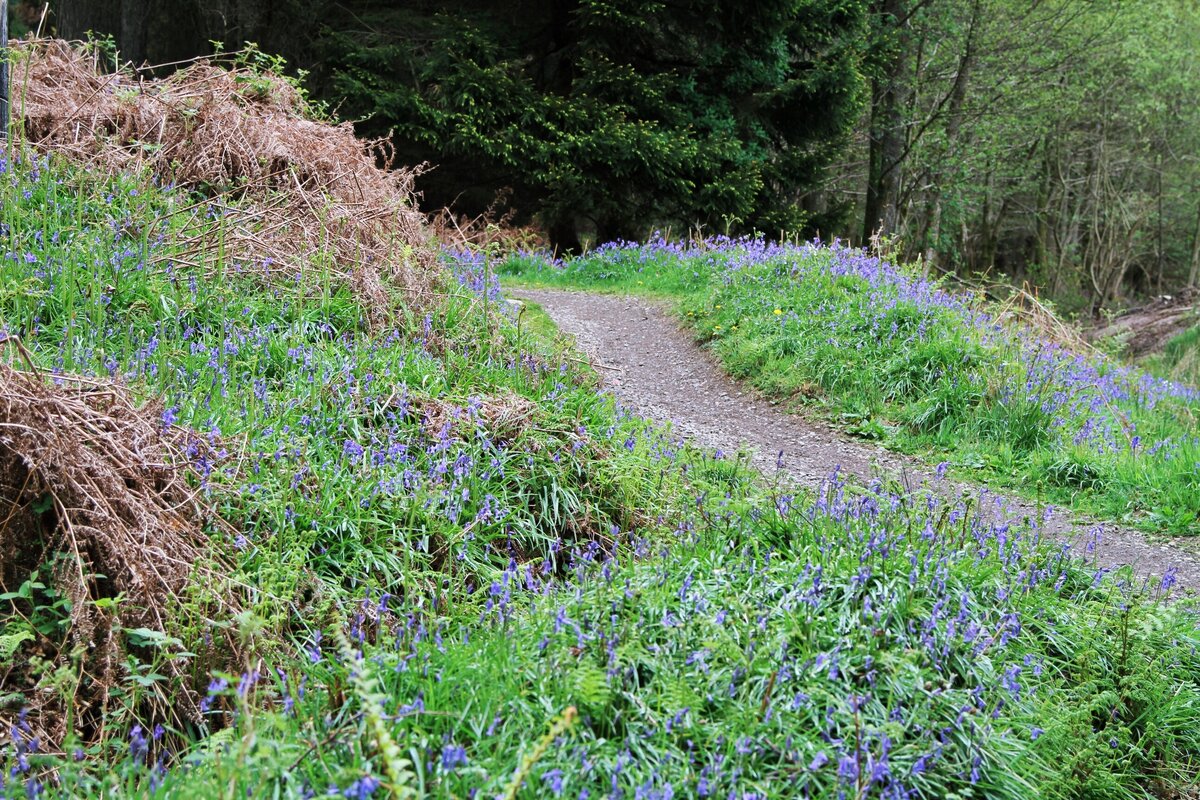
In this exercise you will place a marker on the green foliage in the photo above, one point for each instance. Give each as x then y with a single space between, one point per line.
1180 359
855 653
624 113
1021 120
322 402
894 358
257 73
537 593
418 462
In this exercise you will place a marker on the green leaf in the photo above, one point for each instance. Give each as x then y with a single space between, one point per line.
9 642
148 637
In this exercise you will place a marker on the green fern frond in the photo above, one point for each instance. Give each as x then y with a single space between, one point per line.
558 726
397 769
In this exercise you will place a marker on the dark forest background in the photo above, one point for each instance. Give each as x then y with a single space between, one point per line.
1054 142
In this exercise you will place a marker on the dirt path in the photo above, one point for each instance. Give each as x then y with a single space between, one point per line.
656 369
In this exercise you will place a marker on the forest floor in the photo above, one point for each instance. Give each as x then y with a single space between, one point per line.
1146 329
656 369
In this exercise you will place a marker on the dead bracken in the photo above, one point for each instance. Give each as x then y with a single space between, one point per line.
101 541
501 417
102 545
290 191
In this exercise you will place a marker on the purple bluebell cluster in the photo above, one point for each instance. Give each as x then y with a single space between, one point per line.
882 341
474 271
297 412
866 644
719 638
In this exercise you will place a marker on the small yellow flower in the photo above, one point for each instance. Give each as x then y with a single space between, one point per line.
718 306
778 311
716 328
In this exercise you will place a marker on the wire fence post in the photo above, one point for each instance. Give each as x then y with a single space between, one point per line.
4 70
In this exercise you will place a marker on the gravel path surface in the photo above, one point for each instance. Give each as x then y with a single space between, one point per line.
655 368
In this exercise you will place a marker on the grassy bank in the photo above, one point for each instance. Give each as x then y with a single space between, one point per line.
465 572
1180 358
896 358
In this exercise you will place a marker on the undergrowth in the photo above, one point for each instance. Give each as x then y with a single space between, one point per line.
468 574
1180 358
895 358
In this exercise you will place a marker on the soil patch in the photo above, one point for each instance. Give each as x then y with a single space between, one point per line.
1147 329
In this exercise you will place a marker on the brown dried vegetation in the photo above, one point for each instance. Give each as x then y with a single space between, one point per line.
492 231
98 521
305 189
95 507
502 417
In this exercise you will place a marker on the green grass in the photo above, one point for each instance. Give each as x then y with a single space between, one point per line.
1180 359
726 666
894 358
449 538
324 417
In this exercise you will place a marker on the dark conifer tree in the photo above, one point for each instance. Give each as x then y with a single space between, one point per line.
614 114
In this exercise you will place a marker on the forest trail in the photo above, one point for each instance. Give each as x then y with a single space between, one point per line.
654 368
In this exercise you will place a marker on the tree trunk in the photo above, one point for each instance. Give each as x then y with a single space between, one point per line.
1160 248
4 71
1041 238
129 22
564 237
886 134
134 23
954 118
1194 271
74 18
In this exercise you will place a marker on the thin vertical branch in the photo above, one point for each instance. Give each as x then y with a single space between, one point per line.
4 70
